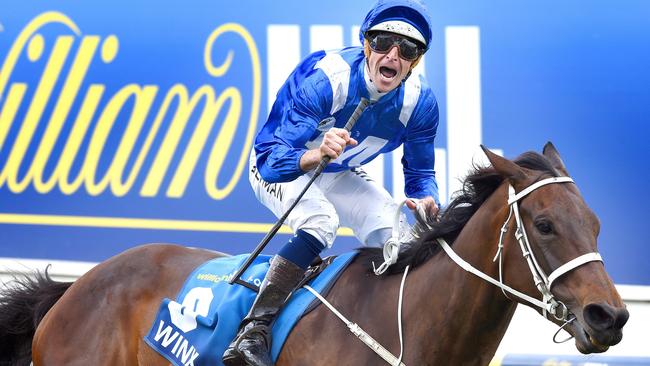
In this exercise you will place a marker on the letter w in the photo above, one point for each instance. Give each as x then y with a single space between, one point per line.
166 334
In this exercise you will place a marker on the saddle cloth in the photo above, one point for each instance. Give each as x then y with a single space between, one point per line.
198 327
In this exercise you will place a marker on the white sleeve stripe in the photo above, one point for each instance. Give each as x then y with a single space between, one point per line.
411 96
338 73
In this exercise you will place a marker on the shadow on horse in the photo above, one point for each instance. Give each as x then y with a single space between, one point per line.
450 316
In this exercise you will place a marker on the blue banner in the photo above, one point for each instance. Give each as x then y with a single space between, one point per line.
124 123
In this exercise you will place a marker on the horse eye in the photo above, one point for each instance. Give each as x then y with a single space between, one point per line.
544 227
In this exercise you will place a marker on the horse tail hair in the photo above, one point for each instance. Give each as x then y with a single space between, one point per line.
23 304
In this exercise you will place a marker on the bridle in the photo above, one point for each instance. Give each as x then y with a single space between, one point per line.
543 283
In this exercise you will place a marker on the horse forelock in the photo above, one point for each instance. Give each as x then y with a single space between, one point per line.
477 187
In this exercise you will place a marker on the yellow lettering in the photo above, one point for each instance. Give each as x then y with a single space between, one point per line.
221 147
224 140
17 91
177 126
197 141
86 113
143 99
29 31
61 111
9 109
42 95
6 118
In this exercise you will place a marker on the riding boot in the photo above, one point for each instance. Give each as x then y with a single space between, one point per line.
253 341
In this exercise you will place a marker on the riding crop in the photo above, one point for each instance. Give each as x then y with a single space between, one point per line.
363 104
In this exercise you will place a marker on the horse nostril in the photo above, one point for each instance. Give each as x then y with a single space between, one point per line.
622 315
600 316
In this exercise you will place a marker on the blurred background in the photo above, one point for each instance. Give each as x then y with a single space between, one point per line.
124 123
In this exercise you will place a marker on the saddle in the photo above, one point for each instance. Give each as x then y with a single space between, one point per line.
197 327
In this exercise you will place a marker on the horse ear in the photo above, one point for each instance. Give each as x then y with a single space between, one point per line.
505 167
551 153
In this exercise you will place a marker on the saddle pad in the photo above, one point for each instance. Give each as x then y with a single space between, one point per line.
198 327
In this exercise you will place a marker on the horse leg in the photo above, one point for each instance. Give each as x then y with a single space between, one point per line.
103 317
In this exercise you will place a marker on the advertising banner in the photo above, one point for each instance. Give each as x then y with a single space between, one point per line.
124 123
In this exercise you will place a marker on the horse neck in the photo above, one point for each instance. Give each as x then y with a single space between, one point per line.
471 313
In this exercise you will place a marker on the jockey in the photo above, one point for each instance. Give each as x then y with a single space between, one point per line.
306 124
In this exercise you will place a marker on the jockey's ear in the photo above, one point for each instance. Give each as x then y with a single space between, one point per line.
505 167
553 156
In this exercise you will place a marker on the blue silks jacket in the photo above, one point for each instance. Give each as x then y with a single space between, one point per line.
323 91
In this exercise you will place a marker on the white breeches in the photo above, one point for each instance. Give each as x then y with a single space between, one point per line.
349 198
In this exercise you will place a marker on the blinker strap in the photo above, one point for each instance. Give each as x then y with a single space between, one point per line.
514 198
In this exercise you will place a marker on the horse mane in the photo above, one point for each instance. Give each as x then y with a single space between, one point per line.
477 187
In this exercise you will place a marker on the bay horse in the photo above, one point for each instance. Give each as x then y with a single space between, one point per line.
450 317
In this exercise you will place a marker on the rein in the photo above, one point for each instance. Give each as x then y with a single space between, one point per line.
363 335
543 283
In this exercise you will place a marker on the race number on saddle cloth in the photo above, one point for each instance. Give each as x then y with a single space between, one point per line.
197 327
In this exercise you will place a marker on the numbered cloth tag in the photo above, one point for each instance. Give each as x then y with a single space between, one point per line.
196 328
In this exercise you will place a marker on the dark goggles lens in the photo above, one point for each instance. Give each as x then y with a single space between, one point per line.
382 43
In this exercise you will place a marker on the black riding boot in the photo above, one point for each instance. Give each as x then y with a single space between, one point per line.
253 342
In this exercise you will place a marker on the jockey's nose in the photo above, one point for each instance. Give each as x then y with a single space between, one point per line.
393 53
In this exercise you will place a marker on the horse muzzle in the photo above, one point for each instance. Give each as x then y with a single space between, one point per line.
599 327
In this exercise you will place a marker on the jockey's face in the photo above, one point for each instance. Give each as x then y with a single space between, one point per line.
387 70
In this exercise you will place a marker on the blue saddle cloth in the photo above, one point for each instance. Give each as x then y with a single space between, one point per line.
198 327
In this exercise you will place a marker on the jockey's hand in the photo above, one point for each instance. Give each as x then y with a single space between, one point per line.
334 142
425 210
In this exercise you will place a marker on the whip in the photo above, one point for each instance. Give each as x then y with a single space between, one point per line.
363 104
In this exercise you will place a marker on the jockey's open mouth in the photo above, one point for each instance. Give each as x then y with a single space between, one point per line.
387 72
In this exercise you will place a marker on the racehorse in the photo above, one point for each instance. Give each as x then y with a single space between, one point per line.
450 316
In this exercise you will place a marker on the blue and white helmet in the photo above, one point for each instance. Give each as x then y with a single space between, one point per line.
406 17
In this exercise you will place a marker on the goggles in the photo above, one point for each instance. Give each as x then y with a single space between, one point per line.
383 42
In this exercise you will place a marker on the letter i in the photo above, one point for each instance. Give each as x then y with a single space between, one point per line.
178 342
35 111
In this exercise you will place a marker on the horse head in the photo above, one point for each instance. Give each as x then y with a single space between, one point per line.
561 232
